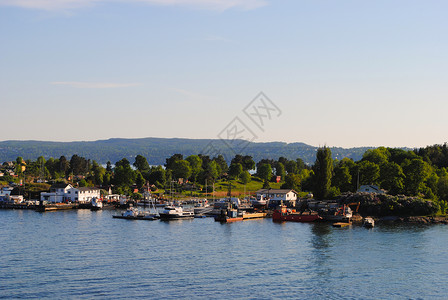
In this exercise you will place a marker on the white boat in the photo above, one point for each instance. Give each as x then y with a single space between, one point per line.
96 204
202 208
133 213
368 222
259 202
175 212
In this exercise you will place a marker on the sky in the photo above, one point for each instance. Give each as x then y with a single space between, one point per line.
343 73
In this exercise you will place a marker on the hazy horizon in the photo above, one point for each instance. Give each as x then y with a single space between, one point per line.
187 138
344 73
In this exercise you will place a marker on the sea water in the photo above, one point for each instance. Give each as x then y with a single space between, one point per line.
81 254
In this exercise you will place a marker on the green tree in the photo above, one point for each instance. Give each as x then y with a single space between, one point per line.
292 181
19 163
210 172
157 176
196 166
291 167
82 183
139 180
369 172
51 166
378 156
300 165
78 165
416 172
392 178
280 170
248 163
265 172
181 169
245 177
64 165
141 164
124 176
170 161
342 179
442 187
235 170
323 169
222 164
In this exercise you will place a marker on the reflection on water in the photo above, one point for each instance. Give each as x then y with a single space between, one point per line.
85 254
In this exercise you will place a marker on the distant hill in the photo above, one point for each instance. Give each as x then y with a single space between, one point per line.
156 150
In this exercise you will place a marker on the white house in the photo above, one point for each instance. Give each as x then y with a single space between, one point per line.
278 195
85 194
62 192
370 189
59 192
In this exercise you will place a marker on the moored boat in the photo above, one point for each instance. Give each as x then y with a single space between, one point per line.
42 206
133 213
282 214
175 213
96 204
368 222
341 214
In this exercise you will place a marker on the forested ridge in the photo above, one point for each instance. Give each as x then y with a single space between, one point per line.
158 149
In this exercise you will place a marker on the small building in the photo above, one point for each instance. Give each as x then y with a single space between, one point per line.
85 194
275 196
59 192
5 194
370 189
60 188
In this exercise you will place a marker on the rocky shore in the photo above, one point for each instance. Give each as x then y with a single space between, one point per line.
414 220
357 219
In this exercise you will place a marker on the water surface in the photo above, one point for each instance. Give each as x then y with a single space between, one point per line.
82 254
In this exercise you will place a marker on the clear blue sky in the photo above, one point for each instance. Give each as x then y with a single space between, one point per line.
343 73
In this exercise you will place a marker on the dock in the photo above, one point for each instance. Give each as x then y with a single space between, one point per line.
17 206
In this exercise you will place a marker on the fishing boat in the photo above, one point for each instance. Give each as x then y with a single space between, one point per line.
175 212
283 214
368 222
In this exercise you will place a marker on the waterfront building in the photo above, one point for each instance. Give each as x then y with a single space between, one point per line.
85 194
275 196
63 192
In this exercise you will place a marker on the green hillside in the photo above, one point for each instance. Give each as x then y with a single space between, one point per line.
158 149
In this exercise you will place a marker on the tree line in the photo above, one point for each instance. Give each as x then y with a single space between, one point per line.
420 172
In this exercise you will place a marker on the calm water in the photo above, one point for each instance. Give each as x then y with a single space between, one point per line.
83 254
